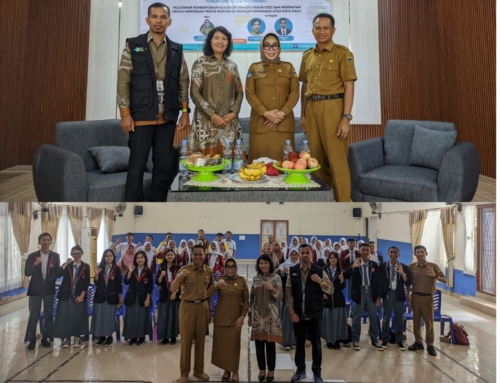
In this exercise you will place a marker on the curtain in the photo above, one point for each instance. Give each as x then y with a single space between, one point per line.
432 239
50 222
95 218
64 240
21 215
75 215
470 214
449 227
102 238
417 221
110 221
11 258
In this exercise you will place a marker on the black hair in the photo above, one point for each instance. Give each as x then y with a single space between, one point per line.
372 242
158 5
283 18
200 230
351 240
102 264
168 233
306 245
44 235
149 235
219 235
254 20
325 15
229 232
164 265
419 247
198 247
145 258
207 48
336 255
363 245
129 233
266 258
77 247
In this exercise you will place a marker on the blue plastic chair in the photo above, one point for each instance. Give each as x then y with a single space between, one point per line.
442 319
41 318
155 294
90 303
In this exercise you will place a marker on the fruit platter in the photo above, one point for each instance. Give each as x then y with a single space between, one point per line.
251 173
205 166
297 166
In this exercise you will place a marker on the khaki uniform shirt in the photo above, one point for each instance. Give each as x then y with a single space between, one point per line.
233 302
326 72
125 73
195 285
421 282
269 87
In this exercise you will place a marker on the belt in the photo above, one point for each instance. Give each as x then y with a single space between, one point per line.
197 301
319 97
423 294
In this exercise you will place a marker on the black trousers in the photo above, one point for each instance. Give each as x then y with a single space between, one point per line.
140 142
35 308
263 347
311 330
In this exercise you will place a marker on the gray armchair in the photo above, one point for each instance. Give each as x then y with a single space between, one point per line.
66 172
390 168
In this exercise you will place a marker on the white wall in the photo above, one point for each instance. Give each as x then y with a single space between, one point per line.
244 218
110 26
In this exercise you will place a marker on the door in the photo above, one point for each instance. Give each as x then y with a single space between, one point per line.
372 229
486 274
275 229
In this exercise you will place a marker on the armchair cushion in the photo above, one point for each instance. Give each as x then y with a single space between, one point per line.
111 159
111 187
403 183
429 147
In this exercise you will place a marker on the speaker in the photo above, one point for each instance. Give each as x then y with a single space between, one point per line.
138 211
356 212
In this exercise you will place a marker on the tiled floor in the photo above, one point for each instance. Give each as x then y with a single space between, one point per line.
155 363
16 184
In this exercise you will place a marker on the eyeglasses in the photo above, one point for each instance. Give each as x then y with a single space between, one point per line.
230 267
268 47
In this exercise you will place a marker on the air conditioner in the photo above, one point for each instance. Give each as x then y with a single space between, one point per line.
89 246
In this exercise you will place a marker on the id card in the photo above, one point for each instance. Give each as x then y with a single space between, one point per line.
159 85
393 285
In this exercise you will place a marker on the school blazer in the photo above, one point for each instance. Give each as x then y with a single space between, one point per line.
164 287
385 275
356 282
82 284
337 298
37 285
139 286
109 293
345 260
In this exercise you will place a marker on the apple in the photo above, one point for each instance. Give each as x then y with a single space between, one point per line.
301 164
304 155
287 165
312 163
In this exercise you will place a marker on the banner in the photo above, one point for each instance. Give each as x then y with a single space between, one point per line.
247 20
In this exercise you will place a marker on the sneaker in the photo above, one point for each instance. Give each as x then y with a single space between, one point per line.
431 351
287 348
416 346
45 343
140 341
355 346
347 345
318 378
109 341
78 342
384 344
401 346
378 347
66 342
101 340
31 345
173 340
299 375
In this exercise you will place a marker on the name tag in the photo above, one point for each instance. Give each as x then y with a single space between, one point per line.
159 85
393 285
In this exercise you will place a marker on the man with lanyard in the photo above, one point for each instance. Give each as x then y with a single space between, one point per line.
42 267
365 291
194 281
153 82
121 248
304 298
327 74
375 255
424 275
394 276
230 245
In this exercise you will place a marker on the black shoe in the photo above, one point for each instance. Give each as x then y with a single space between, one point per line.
164 341
416 346
330 346
384 344
132 341
378 347
173 341
31 345
262 377
401 346
431 351
336 346
269 379
140 341
318 378
45 343
298 376
101 340
109 341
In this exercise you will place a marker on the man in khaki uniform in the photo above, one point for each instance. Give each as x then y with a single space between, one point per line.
423 275
194 315
328 74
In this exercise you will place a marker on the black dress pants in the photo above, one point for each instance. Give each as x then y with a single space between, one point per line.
264 348
311 330
140 142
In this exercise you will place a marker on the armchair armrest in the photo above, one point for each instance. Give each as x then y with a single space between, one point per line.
459 173
363 157
59 175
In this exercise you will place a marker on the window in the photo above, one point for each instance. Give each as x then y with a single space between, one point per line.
470 215
486 245
102 237
10 255
432 239
277 229
64 239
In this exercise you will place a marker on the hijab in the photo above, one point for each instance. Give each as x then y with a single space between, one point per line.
289 263
262 54
189 250
328 240
272 255
235 274
168 246
149 254
214 254
345 246
284 249
292 247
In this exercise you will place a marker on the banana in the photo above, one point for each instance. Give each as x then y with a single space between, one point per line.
256 165
243 176
251 172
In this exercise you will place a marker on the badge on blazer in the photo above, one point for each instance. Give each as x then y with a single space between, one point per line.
294 274
236 284
350 60
279 70
112 277
331 60
249 74
138 49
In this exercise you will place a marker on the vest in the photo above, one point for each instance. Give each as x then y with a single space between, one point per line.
313 293
143 93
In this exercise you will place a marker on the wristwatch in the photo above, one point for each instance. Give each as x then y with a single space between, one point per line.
186 110
348 116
